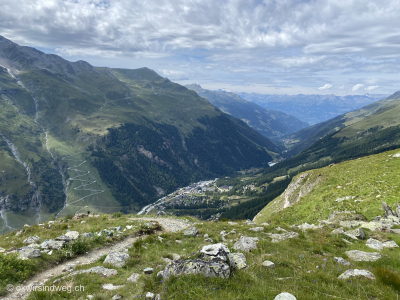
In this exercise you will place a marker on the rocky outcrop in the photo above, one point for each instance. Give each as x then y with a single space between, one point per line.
342 261
28 253
133 278
215 252
357 255
246 243
192 231
197 266
54 245
237 260
117 259
31 240
356 234
374 244
74 235
356 273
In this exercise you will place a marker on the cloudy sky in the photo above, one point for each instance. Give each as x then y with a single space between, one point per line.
265 46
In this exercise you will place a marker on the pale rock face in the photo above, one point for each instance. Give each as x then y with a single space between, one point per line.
268 264
257 229
357 255
149 295
215 252
133 278
192 231
356 272
246 243
148 271
72 234
374 244
356 233
338 230
28 253
281 237
31 240
237 260
110 286
117 259
197 266
55 245
390 244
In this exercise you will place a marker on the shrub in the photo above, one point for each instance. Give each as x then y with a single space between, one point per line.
80 246
117 215
14 269
388 277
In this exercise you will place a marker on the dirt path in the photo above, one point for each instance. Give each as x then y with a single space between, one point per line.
168 225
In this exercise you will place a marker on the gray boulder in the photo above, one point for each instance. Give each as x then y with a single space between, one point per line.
342 261
87 235
246 243
116 297
197 266
268 264
338 230
111 287
74 235
388 210
63 238
215 252
390 244
257 229
357 255
149 295
192 231
356 272
54 245
374 244
356 233
276 237
285 296
31 240
28 253
237 260
148 271
117 259
133 278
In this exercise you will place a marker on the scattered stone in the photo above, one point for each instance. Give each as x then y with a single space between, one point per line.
345 198
2 250
390 244
95 270
19 232
396 155
307 226
50 244
133 278
63 238
285 296
374 244
206 236
356 233
338 231
197 266
265 224
116 297
31 240
110 286
178 241
149 295
148 271
237 260
74 235
209 240
342 261
160 238
158 297
89 296
356 272
160 274
192 231
215 252
117 259
246 243
232 223
250 222
176 256
357 255
268 264
257 229
167 260
388 210
281 237
79 216
280 229
28 253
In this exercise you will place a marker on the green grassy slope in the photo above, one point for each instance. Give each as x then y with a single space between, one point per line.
370 180
270 123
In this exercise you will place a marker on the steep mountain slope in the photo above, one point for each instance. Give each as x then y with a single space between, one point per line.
372 127
271 123
358 185
76 137
312 109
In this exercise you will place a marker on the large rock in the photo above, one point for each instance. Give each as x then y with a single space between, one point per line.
257 229
63 238
390 244
73 234
215 252
117 259
268 264
342 261
197 266
279 237
246 243
388 210
356 272
192 231
28 253
237 260
357 255
374 244
31 240
133 278
356 234
285 296
54 245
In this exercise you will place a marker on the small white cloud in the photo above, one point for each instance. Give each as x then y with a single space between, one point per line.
325 87
371 87
357 87
342 87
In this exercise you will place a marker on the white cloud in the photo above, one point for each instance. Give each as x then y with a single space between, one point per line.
371 87
357 87
174 74
325 87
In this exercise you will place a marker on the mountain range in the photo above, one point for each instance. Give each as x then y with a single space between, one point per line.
312 109
273 124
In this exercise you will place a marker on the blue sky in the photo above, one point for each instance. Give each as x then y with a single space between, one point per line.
265 46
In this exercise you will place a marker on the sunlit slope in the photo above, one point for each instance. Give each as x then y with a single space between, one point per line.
312 195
